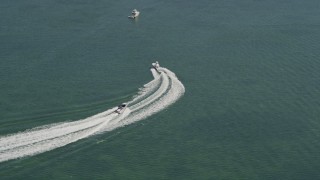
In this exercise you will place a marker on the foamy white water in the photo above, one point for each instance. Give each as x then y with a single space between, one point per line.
158 94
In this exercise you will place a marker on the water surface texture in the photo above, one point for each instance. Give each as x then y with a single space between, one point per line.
248 72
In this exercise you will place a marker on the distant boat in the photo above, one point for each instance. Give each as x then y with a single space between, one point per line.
134 14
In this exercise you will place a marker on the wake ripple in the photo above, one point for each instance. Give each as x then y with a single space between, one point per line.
158 94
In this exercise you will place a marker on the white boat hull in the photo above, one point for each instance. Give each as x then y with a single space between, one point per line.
135 14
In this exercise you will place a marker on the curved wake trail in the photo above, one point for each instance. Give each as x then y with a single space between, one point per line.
153 97
173 93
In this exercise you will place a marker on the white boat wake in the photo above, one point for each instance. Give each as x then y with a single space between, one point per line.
153 97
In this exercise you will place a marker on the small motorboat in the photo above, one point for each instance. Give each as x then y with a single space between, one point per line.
121 108
134 14
156 66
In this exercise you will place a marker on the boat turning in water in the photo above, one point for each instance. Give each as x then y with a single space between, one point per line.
121 108
156 66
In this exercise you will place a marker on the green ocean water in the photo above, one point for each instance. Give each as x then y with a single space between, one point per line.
250 69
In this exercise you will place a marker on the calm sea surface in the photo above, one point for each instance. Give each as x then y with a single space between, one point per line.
251 71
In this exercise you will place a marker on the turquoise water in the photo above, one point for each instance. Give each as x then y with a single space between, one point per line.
250 70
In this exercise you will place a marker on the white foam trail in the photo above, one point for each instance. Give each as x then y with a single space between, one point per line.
156 95
49 132
163 87
51 140
147 88
174 93
169 92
